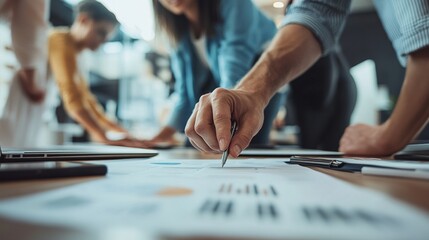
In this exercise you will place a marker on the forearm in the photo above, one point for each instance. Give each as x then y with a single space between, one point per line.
166 133
100 115
412 109
87 120
292 52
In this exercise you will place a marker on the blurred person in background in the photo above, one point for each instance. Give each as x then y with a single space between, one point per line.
93 25
22 116
215 43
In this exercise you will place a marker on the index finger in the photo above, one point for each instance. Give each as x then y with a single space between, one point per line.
221 109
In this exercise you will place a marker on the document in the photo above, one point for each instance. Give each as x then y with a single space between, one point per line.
252 198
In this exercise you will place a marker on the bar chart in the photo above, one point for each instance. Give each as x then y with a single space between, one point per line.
248 189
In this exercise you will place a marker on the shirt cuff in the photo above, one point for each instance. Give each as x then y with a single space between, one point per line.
413 40
316 26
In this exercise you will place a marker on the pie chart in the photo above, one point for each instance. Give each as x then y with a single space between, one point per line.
174 192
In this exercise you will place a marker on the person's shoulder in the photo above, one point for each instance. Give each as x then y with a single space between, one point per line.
225 5
59 35
227 8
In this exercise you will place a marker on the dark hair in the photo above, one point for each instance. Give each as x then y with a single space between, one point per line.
177 25
96 11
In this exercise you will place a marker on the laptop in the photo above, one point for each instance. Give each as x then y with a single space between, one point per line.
73 153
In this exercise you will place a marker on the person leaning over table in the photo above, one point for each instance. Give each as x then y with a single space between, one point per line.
310 30
215 43
93 25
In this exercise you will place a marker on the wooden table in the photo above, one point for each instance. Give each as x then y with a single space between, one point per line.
414 192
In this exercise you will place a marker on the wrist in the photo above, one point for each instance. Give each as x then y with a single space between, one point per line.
97 135
389 140
258 95
165 134
265 78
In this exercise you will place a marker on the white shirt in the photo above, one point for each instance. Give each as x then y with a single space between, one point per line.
200 47
28 24
22 119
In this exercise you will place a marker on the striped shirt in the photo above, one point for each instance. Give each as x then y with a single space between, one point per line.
405 21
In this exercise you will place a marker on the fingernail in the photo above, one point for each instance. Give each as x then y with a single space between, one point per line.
236 150
222 144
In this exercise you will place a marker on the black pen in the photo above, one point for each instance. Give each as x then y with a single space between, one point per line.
331 163
226 152
316 161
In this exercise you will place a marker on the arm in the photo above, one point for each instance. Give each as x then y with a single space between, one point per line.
408 118
212 116
309 32
62 60
87 120
29 35
240 44
295 45
101 117
181 110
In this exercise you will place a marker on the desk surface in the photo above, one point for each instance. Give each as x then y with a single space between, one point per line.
414 192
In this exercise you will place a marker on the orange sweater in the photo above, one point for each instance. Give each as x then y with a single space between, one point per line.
73 88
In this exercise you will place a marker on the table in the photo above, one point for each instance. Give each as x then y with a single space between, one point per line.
414 192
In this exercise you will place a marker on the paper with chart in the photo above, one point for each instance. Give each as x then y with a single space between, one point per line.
248 198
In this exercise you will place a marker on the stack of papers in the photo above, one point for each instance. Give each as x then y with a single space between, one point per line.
264 199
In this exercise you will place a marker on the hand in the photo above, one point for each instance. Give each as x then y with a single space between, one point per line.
164 137
125 142
209 127
116 135
26 78
365 140
116 128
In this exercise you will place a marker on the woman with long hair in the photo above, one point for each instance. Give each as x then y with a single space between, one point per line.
215 43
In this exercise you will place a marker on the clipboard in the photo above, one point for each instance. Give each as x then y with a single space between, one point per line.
329 163
391 168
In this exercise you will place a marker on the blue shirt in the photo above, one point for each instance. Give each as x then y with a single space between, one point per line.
405 21
238 40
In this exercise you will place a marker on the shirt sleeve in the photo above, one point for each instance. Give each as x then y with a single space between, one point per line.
29 31
325 18
182 109
62 60
236 53
406 23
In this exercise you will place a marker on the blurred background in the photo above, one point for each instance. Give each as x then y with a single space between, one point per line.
130 74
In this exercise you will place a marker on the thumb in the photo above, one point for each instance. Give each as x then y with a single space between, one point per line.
247 129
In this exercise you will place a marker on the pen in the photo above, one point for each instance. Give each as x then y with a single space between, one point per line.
316 161
226 152
330 163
